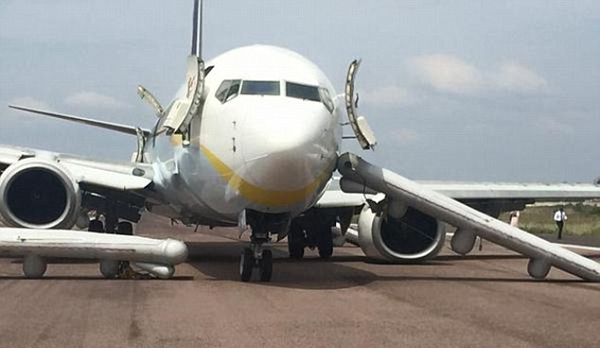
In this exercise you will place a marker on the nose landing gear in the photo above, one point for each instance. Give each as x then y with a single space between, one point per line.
256 257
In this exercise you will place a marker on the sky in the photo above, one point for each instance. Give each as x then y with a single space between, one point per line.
454 90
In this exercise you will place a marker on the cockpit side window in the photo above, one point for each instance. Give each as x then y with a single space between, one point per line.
300 91
234 90
228 90
326 98
261 88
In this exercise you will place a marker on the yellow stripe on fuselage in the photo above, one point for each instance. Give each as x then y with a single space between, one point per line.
263 196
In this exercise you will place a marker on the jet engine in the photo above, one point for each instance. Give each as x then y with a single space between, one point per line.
38 193
411 236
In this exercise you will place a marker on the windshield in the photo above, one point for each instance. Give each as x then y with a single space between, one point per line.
306 92
261 87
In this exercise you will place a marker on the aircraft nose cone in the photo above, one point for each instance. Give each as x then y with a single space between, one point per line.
289 151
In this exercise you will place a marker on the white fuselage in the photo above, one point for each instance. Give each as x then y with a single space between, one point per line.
268 150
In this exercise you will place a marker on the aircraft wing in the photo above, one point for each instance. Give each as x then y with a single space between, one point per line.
489 197
34 177
36 246
408 203
541 191
83 120
118 176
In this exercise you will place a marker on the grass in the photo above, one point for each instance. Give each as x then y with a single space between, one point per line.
582 219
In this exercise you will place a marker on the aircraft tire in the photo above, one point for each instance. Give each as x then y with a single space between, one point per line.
325 242
96 226
266 266
125 228
296 242
246 264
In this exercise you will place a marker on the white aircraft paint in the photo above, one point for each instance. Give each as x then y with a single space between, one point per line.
267 153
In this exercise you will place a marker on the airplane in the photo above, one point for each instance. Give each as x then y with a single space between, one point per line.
252 139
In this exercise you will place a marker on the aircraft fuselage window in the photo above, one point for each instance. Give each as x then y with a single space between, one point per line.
261 87
300 91
228 90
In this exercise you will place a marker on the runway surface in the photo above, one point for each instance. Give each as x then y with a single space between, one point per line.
483 300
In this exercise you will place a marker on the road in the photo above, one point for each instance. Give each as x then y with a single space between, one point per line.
485 299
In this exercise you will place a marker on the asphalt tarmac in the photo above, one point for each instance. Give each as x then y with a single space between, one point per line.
483 300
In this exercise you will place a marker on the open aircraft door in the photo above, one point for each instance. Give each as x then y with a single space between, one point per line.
362 130
187 106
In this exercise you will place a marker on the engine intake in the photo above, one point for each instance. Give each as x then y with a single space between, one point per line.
411 238
39 194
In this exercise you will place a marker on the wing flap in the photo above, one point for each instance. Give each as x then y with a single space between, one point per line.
464 217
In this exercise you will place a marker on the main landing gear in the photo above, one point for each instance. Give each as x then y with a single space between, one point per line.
256 257
315 236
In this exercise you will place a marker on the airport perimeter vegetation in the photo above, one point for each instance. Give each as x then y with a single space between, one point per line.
582 218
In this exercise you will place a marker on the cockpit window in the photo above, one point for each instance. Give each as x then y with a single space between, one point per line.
261 87
228 90
306 92
326 98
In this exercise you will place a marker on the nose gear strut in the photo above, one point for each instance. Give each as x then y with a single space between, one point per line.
257 257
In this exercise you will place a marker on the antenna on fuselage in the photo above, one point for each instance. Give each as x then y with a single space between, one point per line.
197 29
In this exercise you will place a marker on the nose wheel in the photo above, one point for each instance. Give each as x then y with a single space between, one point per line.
256 257
247 262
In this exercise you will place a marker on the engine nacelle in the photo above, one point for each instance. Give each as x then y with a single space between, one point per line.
37 193
411 238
